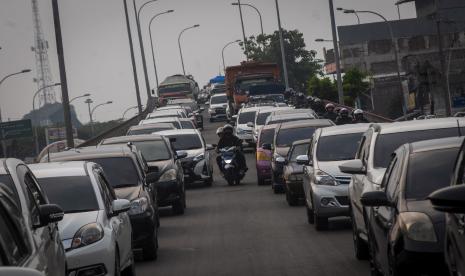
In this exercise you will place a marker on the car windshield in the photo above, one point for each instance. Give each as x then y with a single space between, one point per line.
74 194
187 142
187 125
153 150
219 100
298 150
429 171
261 118
148 130
120 171
246 117
386 144
338 147
267 136
288 136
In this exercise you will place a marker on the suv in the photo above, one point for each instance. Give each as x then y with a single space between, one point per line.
217 109
29 234
163 160
245 124
179 123
373 156
149 128
126 171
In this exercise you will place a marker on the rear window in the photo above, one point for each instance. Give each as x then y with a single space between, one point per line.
246 117
298 150
74 194
148 130
187 142
266 136
288 136
386 144
120 171
338 147
428 172
166 116
261 118
187 125
219 99
153 150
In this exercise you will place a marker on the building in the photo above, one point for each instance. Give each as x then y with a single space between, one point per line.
370 48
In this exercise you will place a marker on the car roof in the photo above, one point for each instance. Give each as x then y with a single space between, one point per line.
415 125
106 151
293 111
148 126
344 129
166 111
436 144
178 132
250 109
58 169
132 138
174 101
307 123
273 108
159 120
270 126
290 116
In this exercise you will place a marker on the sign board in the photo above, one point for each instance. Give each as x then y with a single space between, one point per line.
15 129
54 134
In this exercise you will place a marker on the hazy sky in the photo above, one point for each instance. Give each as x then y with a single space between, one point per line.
97 50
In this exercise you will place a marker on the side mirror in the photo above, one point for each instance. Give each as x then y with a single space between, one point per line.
210 147
120 206
250 124
449 200
152 177
267 147
281 160
180 154
19 271
353 167
302 160
375 199
49 213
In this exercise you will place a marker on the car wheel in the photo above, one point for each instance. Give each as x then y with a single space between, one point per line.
178 207
292 200
321 223
117 264
310 217
150 250
360 246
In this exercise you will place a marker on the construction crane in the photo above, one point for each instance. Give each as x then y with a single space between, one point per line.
44 75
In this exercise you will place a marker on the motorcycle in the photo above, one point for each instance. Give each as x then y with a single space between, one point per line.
230 167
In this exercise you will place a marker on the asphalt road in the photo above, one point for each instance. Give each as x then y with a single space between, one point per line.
248 230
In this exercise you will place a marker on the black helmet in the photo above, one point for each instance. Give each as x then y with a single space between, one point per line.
344 112
228 128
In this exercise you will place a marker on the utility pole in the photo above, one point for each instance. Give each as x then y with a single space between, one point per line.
283 50
133 60
337 57
243 29
442 58
63 80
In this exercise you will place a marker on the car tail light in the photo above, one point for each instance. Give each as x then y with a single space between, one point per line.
262 156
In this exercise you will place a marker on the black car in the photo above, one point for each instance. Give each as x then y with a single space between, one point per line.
451 200
405 232
161 159
128 174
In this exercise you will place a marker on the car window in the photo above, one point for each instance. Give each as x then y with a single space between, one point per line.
393 179
338 147
187 142
266 136
74 194
219 99
261 118
122 171
13 249
388 143
106 192
153 150
429 171
286 137
187 125
32 195
298 150
246 117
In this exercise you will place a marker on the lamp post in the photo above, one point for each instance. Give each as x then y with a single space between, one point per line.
355 13
91 113
179 44
141 43
243 28
151 42
256 9
78 97
222 52
337 56
127 110
396 54
283 53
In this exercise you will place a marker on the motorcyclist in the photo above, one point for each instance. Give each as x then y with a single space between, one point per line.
301 100
330 114
359 117
219 132
344 117
228 139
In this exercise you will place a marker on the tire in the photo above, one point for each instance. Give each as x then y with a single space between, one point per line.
310 217
149 252
321 223
237 182
361 249
230 182
292 200
178 207
117 263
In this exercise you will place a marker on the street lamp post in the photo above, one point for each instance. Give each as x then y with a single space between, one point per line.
91 113
222 52
283 53
78 97
127 110
337 56
256 9
151 42
396 54
355 13
179 45
243 28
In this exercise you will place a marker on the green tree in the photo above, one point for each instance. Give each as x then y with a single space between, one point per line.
354 85
300 61
323 88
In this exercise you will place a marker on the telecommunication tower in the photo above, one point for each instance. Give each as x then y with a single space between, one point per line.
44 75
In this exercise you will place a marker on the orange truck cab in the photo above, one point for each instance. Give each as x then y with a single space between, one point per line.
239 78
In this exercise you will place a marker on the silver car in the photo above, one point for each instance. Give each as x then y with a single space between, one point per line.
325 186
96 230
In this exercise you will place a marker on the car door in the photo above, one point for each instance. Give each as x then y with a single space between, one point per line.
383 216
46 238
456 224
308 171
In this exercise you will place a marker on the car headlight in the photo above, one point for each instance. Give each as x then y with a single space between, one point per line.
199 157
322 178
296 177
87 234
138 206
169 175
417 226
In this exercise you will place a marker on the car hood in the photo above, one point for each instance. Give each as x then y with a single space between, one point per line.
424 206
71 223
129 193
282 151
161 165
213 106
332 167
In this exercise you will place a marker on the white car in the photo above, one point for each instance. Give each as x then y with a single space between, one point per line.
245 124
261 116
217 109
96 230
166 113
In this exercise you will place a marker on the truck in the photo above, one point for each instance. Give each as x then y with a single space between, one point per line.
177 87
241 77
